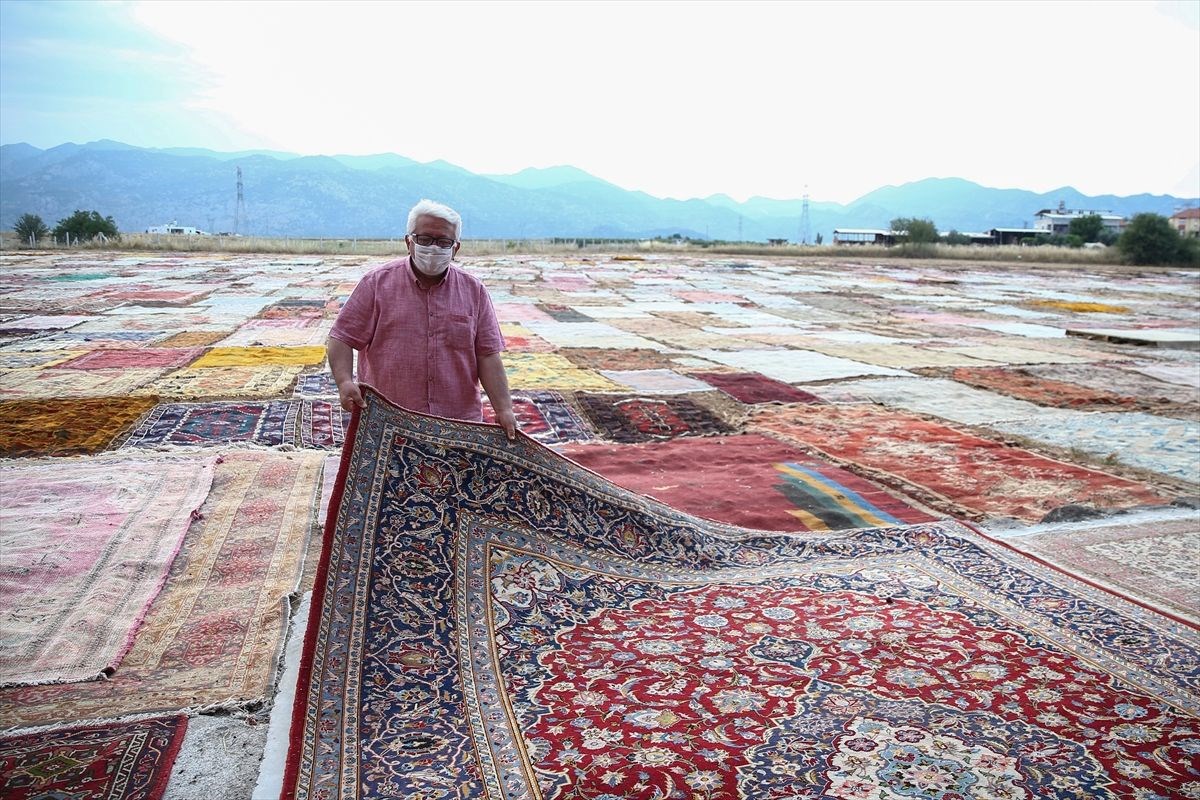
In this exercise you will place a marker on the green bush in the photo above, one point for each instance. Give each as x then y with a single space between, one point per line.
30 229
1149 239
1088 228
916 231
85 226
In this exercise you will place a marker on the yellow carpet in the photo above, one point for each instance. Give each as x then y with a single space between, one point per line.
259 356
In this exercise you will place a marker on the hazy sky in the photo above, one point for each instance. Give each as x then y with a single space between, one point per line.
678 99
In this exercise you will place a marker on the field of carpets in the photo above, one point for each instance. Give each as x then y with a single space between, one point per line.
169 431
493 621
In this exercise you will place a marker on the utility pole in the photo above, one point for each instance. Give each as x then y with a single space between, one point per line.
739 227
239 210
805 223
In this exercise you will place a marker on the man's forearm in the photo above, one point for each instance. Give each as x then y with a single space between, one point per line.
341 360
495 382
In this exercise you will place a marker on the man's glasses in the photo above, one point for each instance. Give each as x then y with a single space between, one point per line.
425 241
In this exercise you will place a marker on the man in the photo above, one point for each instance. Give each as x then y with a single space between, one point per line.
425 330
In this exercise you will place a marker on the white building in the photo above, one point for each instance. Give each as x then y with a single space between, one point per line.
1058 220
175 229
863 236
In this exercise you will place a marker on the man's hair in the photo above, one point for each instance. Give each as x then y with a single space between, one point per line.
428 208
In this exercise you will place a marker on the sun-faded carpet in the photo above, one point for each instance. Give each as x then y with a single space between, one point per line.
1024 385
519 339
598 358
749 480
1158 560
84 548
958 472
552 371
137 358
225 382
66 426
655 381
212 636
491 621
1152 442
118 761
192 339
752 388
631 419
21 384
16 359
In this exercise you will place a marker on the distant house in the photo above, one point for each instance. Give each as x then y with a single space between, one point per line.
863 236
1057 221
1187 222
1016 235
975 237
175 229
777 242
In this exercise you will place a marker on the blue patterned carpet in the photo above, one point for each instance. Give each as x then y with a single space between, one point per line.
493 621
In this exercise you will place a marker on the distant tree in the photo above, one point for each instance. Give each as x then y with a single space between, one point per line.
916 231
820 238
1150 239
954 237
85 226
1088 228
30 229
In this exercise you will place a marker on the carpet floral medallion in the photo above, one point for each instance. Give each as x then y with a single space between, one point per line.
493 621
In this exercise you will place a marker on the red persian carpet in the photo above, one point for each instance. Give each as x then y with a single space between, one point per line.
120 761
493 621
747 480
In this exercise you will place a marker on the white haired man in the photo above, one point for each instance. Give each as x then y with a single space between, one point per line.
425 331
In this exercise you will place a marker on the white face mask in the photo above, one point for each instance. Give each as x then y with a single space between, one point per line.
431 260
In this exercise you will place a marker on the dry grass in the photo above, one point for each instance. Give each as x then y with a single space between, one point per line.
370 247
975 253
482 247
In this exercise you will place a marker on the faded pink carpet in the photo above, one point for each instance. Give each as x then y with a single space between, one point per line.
84 549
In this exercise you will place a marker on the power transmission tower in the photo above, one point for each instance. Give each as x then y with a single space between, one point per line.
739 227
805 223
239 210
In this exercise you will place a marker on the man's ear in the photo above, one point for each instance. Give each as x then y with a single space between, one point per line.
457 245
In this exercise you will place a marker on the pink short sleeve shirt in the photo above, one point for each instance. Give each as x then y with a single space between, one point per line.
421 346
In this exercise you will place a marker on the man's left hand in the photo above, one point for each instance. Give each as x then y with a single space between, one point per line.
506 420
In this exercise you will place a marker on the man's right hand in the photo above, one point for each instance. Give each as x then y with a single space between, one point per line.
350 395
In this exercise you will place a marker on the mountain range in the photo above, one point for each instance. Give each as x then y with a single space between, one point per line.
357 196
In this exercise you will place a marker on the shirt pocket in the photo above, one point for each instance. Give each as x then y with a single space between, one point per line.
459 331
